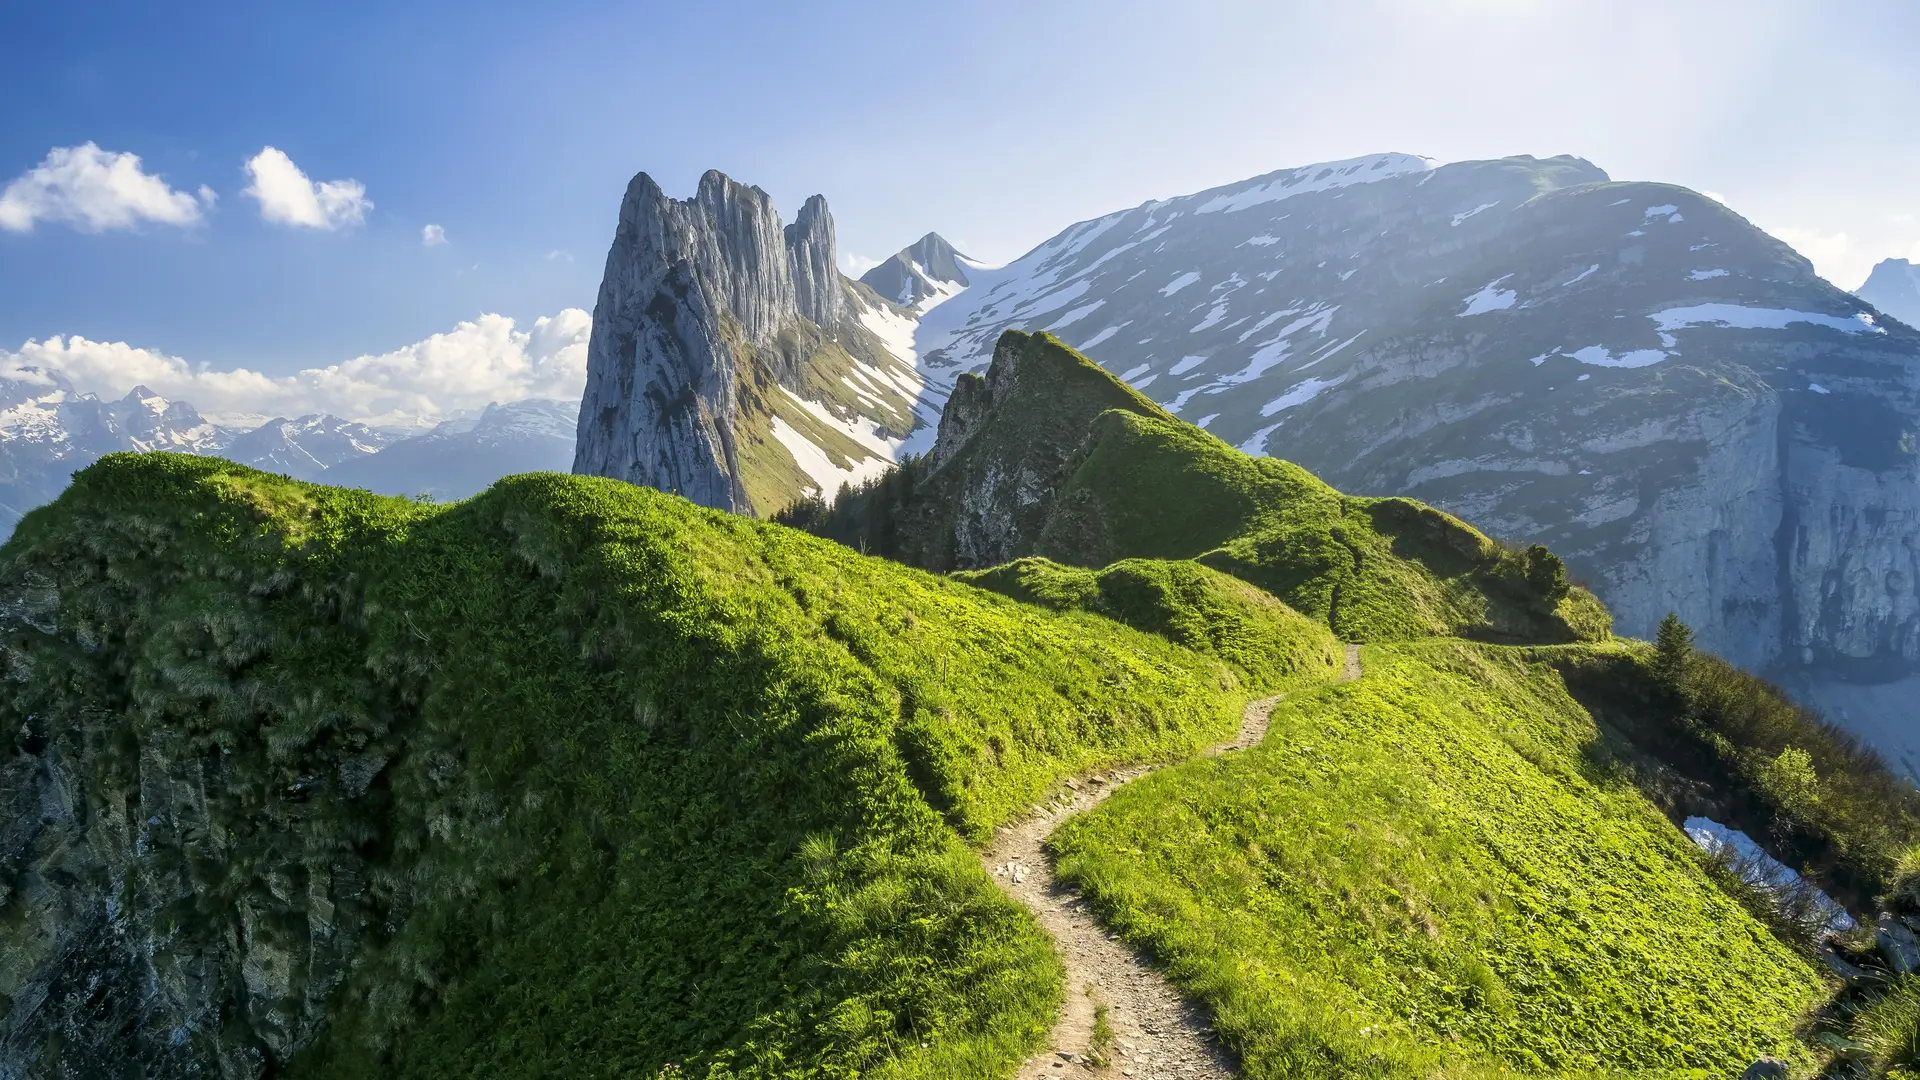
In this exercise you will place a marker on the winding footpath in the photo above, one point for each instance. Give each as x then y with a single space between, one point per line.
1158 1034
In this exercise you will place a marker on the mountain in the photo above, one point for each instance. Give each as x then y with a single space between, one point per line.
922 274
577 778
461 458
1629 372
731 362
1894 287
305 448
47 431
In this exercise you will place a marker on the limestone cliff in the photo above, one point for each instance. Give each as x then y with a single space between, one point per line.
730 361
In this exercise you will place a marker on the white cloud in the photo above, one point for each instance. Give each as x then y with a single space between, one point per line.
1834 254
475 363
433 236
859 264
556 254
1715 196
94 190
287 197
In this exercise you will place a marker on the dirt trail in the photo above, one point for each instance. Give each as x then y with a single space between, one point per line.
1157 1034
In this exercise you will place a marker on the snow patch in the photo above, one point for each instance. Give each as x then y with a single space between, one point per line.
1299 395
1076 315
1465 214
1205 420
1102 336
1135 372
1263 240
1214 318
1186 364
1818 389
1660 211
1599 356
1312 178
1583 275
1490 298
1180 282
1256 445
1705 275
1735 317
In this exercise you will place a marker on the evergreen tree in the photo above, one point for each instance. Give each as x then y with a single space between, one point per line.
1673 647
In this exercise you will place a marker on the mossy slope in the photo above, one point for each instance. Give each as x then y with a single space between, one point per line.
571 779
1050 455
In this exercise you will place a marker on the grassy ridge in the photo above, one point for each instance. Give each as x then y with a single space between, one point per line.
1270 644
597 781
1426 869
1052 456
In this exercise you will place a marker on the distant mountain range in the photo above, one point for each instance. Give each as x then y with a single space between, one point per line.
48 431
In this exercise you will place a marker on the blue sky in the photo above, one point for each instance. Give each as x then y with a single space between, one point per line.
515 128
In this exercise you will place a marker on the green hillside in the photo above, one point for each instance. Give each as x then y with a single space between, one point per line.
578 778
1432 869
1050 455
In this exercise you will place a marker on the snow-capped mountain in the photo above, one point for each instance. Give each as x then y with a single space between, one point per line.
48 432
923 274
307 447
1894 288
462 457
1631 373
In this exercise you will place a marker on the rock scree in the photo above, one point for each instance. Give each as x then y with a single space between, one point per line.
1155 1032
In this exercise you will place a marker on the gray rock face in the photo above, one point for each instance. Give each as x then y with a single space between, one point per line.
708 309
1629 373
1894 287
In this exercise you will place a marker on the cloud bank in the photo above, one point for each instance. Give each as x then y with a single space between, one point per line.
486 360
94 190
287 197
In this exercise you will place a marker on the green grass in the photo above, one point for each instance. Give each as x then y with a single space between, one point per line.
639 784
1819 799
1432 869
1059 459
1270 644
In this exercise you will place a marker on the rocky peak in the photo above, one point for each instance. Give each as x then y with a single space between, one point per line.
927 269
707 307
810 254
1894 288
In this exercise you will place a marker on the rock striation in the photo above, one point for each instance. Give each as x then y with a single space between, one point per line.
730 361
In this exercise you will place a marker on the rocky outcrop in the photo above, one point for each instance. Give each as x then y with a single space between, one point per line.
708 310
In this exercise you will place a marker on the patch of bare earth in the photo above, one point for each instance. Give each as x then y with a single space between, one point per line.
1152 1032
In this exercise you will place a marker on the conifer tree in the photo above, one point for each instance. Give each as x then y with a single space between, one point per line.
1673 647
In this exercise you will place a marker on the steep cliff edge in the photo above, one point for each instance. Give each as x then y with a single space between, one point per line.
730 361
